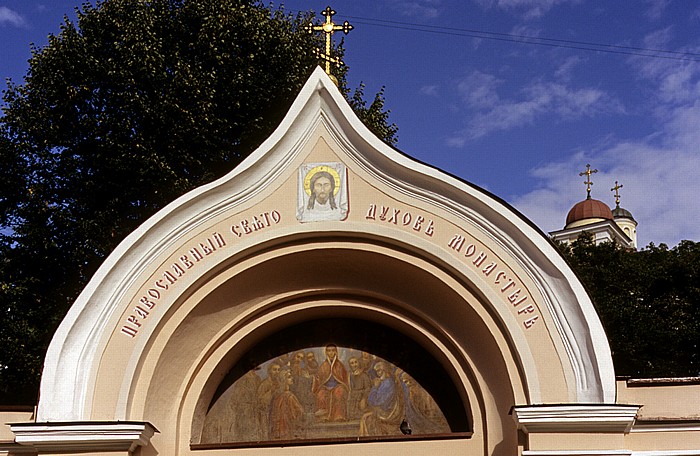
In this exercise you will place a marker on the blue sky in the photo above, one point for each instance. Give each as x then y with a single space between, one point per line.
516 96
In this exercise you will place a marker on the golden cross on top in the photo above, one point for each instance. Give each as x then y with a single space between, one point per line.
588 182
616 189
328 28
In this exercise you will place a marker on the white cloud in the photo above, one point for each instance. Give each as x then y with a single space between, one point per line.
566 69
424 9
656 8
683 127
675 81
492 113
526 30
659 172
505 116
532 9
478 90
429 90
10 17
660 188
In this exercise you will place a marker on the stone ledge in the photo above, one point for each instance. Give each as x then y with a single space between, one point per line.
606 418
84 435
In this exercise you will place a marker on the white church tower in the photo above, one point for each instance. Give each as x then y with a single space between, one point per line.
595 217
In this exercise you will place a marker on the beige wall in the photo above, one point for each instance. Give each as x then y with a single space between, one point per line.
662 399
10 415
669 418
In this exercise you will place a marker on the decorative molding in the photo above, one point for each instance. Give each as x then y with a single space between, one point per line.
667 453
666 426
611 453
609 227
605 418
578 453
83 436
12 448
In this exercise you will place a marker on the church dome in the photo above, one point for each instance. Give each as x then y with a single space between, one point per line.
589 209
619 212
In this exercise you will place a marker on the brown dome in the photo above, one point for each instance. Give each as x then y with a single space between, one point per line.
589 208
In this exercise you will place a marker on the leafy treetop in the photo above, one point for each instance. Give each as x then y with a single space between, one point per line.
648 302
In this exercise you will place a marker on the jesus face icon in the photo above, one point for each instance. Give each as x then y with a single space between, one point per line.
322 186
322 192
322 189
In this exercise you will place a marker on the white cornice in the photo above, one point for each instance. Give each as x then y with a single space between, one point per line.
575 418
12 449
608 226
667 453
83 436
611 453
578 453
666 426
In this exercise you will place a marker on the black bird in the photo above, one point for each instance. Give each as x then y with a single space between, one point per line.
405 428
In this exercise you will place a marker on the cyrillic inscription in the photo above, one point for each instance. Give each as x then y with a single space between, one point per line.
195 254
395 216
149 300
256 223
511 290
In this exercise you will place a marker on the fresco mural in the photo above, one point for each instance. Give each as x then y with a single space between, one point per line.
322 393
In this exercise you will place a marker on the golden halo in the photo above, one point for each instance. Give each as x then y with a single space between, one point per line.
326 168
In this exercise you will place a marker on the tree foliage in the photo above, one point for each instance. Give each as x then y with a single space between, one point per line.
135 104
648 301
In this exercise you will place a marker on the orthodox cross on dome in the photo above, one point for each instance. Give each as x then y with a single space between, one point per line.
328 28
616 189
588 182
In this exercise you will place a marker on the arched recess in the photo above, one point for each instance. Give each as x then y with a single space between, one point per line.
364 278
418 390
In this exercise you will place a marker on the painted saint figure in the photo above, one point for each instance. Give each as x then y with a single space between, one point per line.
266 391
367 361
311 363
301 386
360 385
420 408
322 192
385 407
330 386
286 412
233 416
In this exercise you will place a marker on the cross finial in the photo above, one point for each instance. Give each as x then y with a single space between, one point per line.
328 28
616 189
588 182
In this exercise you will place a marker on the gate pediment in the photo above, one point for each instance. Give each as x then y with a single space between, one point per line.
325 221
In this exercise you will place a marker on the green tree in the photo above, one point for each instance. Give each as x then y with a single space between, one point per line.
648 301
123 111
